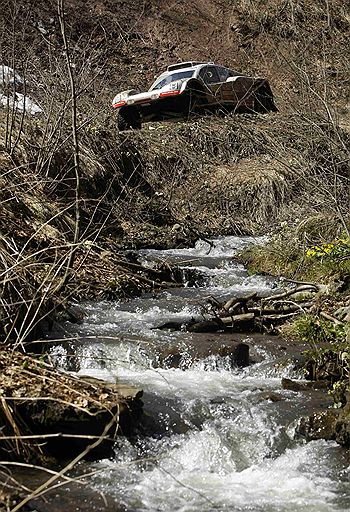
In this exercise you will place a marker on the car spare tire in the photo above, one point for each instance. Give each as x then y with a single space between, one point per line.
128 118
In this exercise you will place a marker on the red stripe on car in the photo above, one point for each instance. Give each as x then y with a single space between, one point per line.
169 93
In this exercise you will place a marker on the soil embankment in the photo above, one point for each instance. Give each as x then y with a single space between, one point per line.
132 190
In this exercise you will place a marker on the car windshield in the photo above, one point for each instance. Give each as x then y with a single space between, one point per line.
180 75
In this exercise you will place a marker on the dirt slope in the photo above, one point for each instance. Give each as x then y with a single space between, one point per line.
127 43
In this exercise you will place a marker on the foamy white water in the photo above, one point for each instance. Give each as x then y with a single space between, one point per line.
226 437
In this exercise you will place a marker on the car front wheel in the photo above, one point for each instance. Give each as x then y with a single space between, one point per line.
128 118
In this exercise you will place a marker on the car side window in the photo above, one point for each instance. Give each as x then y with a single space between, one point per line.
209 75
224 73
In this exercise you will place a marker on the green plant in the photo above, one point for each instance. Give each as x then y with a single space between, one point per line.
314 330
338 249
329 355
338 392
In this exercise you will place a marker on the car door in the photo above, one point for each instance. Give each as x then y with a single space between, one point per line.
210 76
237 91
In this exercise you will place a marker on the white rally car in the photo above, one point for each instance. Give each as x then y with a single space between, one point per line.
192 87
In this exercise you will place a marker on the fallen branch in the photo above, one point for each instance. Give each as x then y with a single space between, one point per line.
245 317
279 317
288 293
239 300
281 310
293 281
330 318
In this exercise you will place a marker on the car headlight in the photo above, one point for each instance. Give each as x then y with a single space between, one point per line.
120 97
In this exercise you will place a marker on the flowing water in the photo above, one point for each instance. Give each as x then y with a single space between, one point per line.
223 437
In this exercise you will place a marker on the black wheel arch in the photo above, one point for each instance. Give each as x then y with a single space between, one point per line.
196 86
264 99
128 117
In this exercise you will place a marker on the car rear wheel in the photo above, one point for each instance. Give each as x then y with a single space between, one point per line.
128 118
263 101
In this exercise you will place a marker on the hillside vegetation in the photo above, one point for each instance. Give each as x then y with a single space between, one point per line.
74 193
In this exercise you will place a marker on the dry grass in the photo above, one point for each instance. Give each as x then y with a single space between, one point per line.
29 409
255 186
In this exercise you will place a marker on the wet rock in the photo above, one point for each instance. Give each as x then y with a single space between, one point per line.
320 425
293 362
205 326
193 277
178 357
75 315
66 497
302 385
239 355
75 497
188 324
74 429
171 357
342 427
173 325
66 414
161 417
271 396
342 432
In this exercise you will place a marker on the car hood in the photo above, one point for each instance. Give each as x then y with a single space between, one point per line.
131 96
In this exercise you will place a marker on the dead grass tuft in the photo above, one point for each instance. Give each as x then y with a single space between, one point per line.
29 408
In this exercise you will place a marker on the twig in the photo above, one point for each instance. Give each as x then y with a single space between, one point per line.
303 288
331 318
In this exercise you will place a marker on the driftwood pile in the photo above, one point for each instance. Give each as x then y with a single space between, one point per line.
258 312
253 312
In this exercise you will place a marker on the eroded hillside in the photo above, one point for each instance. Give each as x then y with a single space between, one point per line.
295 44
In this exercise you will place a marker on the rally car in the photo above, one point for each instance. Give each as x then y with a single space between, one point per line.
193 87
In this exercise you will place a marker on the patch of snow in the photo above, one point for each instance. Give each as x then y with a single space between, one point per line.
8 76
20 102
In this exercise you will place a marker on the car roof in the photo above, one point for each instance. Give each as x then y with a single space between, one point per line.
190 64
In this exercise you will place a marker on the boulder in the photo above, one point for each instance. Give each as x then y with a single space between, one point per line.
303 385
319 425
178 357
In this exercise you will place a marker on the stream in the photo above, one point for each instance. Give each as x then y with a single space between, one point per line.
223 437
